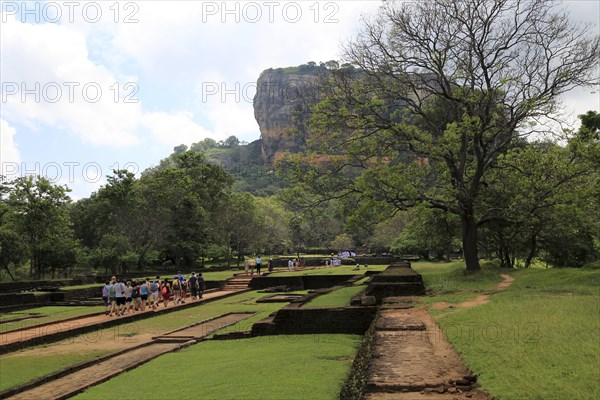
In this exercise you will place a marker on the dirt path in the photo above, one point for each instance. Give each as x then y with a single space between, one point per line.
68 385
480 299
413 360
36 333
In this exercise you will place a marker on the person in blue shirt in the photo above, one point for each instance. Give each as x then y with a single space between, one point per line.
258 264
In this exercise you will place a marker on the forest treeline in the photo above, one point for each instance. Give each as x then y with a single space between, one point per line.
544 199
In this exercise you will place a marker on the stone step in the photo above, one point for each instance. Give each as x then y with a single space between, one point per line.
228 286
240 281
264 327
397 278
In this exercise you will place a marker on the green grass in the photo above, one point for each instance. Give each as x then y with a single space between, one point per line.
15 314
449 282
23 367
341 270
270 367
90 285
45 358
337 298
537 339
52 313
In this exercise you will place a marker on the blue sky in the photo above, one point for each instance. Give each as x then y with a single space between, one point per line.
120 83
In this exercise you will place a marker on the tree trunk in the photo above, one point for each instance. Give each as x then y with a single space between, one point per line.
532 249
7 269
469 242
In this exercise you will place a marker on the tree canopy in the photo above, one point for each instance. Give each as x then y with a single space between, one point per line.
444 90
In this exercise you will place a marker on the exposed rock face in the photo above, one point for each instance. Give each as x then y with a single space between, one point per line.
277 109
283 100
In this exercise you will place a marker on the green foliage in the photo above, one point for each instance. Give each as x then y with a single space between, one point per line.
433 137
541 201
342 242
429 231
243 161
38 214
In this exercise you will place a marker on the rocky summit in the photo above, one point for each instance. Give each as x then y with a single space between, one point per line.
280 108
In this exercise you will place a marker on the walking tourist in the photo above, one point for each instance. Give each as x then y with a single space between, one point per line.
184 288
135 296
258 264
176 289
166 292
128 297
200 284
120 295
144 291
106 297
193 285
154 291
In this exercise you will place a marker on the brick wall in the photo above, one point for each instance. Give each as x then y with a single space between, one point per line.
289 320
298 282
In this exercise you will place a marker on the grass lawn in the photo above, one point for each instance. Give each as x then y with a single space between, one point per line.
538 339
268 367
42 360
51 313
337 298
22 367
341 270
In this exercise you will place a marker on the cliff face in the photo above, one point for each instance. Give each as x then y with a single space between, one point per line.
284 97
278 106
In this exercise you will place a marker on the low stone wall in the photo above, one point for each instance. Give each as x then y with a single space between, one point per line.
357 377
82 294
291 320
20 286
9 299
383 260
298 282
398 279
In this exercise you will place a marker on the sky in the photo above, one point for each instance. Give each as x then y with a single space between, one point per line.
92 86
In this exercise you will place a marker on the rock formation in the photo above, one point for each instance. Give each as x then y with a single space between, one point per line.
278 106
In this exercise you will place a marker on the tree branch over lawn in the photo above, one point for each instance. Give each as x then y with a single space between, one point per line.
441 89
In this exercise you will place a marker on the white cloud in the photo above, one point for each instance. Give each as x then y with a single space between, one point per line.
9 151
171 50
174 129
48 79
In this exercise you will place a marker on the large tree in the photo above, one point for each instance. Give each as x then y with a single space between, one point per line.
440 90
41 217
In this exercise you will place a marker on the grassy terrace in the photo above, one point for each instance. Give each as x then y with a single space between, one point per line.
341 270
337 298
538 339
42 360
48 313
268 367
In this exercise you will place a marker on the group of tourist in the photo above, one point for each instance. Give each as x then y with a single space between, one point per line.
250 265
295 264
122 297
